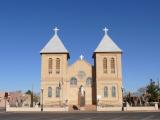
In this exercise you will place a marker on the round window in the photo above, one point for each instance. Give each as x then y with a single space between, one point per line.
81 74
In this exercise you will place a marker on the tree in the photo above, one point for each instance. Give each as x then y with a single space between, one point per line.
153 90
141 91
128 98
34 97
29 92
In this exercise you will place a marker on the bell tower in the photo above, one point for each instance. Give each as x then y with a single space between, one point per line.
108 69
54 58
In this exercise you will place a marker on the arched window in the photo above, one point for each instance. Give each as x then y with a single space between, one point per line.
73 81
105 91
57 65
113 91
49 91
57 92
89 81
112 65
50 65
105 65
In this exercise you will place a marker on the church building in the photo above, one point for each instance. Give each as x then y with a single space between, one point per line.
81 84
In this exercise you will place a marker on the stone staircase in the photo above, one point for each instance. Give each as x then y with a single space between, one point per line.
90 108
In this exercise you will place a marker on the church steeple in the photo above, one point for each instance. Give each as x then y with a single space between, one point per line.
55 45
108 71
107 44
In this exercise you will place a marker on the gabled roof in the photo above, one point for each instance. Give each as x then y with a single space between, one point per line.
83 61
54 45
107 45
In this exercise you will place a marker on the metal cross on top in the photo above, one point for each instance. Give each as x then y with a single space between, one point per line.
105 30
55 30
81 57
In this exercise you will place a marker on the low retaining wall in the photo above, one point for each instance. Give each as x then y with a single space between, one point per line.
23 109
140 108
129 108
99 108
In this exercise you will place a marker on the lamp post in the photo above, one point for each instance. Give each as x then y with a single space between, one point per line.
5 98
42 100
5 105
122 99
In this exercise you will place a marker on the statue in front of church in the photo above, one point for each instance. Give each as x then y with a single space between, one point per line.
82 90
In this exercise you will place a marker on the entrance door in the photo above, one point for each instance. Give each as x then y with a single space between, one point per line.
81 96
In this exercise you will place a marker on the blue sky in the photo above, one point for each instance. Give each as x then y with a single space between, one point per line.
26 26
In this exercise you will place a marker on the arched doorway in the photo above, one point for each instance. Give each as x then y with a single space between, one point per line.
81 96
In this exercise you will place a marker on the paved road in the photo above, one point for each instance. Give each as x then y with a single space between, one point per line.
82 116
